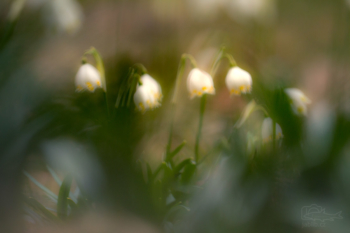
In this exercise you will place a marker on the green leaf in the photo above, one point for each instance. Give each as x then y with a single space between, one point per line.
179 167
157 194
132 89
74 207
188 173
59 182
49 193
40 208
62 202
159 168
168 172
149 173
176 151
123 89
54 175
246 113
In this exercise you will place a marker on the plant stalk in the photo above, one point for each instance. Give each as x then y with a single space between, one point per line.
199 132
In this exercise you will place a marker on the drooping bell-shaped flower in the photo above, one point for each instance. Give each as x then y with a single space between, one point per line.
267 130
154 87
87 78
298 100
200 82
148 94
238 81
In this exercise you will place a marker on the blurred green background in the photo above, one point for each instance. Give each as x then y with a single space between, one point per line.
43 121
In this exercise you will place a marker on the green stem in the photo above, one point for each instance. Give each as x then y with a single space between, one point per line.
274 135
179 76
231 59
168 147
99 65
222 54
141 68
217 62
107 106
12 19
201 115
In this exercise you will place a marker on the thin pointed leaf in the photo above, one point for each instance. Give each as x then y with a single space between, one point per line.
54 175
62 203
40 208
188 173
132 89
123 89
49 193
74 207
59 182
168 172
160 167
246 113
179 167
176 150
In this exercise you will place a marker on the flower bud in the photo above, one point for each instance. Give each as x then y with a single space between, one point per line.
267 130
298 100
87 78
200 82
238 81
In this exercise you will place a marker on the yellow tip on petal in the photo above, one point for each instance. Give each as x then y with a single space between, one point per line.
204 88
142 107
98 83
235 92
300 110
79 88
89 86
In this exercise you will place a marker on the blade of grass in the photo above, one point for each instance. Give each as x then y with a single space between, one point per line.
59 182
50 194
62 202
176 151
40 208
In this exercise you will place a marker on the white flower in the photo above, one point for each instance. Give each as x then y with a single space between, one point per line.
87 78
200 82
267 130
148 95
154 87
64 15
238 81
298 100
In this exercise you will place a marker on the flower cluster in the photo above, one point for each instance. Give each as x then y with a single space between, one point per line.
238 81
148 92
